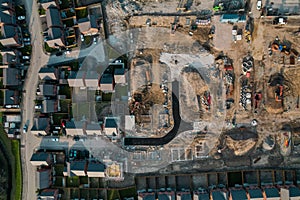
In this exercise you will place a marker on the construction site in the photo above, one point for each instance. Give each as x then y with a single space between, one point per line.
238 82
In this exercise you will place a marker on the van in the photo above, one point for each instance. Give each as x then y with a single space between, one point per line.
258 5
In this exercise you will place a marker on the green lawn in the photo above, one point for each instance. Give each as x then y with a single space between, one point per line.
113 194
64 104
42 11
81 13
88 40
74 193
59 169
57 117
18 169
49 49
84 180
65 90
58 181
84 194
71 41
126 193
64 5
73 181
69 22
106 96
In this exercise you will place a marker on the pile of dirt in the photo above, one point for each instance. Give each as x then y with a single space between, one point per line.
240 147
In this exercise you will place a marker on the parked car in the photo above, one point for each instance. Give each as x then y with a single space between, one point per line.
82 38
95 40
21 17
25 57
55 139
27 43
27 39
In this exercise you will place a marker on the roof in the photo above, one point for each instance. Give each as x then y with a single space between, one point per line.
8 30
271 192
47 73
10 97
93 127
110 122
106 79
8 57
78 165
42 178
53 17
74 124
119 71
47 89
46 3
255 193
203 196
147 196
49 106
185 196
219 195
55 33
41 123
39 156
5 15
10 77
49 193
88 24
239 194
294 191
95 167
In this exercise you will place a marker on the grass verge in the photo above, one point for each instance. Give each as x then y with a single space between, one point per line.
18 170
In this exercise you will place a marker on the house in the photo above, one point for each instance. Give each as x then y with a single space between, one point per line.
119 76
48 74
111 126
255 193
219 195
95 169
75 128
76 79
48 194
8 57
13 118
41 125
7 12
49 106
271 193
78 168
54 24
238 194
93 129
201 195
9 35
166 195
43 178
11 77
107 83
39 159
88 25
47 90
91 79
294 192
11 97
184 195
146 196
47 3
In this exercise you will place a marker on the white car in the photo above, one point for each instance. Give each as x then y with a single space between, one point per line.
95 40
26 39
25 57
258 5
21 17
82 38
55 139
